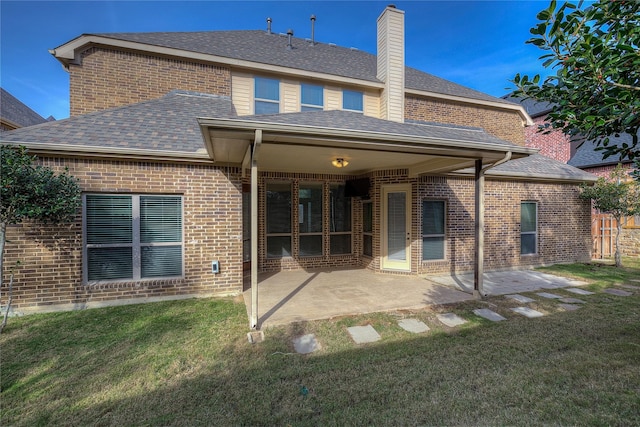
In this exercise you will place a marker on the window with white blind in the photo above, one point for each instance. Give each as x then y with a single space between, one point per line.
311 97
528 228
132 237
433 229
266 96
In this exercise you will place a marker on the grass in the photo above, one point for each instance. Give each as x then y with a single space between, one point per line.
189 363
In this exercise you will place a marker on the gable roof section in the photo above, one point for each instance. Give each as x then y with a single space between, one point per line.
16 113
166 126
540 167
533 107
257 46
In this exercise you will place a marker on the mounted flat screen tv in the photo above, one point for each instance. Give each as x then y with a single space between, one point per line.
357 188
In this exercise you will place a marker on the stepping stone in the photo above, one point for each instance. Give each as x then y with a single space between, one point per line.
572 301
569 307
579 291
413 325
488 314
451 319
363 334
628 286
306 344
618 292
527 312
521 298
635 280
549 295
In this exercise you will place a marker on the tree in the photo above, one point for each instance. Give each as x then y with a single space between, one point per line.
32 192
617 196
596 87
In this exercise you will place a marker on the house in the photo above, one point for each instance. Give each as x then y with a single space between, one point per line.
203 155
582 154
15 114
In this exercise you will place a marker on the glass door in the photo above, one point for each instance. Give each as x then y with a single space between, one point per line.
396 233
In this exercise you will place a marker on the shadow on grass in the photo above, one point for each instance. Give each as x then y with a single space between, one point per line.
189 363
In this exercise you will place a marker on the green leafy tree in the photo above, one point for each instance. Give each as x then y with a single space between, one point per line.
30 192
595 52
617 196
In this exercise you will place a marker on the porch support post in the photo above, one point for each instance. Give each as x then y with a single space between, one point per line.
478 268
254 229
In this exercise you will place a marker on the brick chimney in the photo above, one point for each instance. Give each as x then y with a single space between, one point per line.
391 63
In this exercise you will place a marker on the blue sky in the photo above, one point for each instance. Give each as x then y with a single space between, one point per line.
479 44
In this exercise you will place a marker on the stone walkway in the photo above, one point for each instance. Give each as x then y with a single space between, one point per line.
367 334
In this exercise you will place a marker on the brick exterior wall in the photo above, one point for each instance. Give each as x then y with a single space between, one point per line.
110 78
50 272
503 124
555 144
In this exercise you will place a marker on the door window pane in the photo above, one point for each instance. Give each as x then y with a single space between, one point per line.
396 226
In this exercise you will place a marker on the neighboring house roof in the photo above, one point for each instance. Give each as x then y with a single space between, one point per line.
166 124
586 155
15 113
260 47
533 107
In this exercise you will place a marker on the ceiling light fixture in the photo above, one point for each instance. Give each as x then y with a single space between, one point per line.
339 162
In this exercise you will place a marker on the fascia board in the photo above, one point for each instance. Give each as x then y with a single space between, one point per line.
415 141
504 106
67 53
112 152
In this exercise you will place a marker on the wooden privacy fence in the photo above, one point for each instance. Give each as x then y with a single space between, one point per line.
603 230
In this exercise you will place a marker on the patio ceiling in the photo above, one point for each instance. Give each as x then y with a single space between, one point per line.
309 149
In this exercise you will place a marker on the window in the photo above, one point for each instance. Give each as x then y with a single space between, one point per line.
367 228
310 219
132 237
267 96
433 229
352 100
528 228
311 98
278 219
340 217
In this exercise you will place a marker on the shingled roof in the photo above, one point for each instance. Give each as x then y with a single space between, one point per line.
532 106
16 112
586 155
168 123
260 47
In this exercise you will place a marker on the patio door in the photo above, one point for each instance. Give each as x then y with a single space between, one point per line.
396 227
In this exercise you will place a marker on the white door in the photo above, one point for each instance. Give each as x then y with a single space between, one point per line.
396 227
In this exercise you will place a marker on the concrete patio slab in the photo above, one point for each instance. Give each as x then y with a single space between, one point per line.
507 282
579 291
413 325
298 296
306 344
527 312
451 319
549 295
618 292
488 314
363 334
520 298
572 301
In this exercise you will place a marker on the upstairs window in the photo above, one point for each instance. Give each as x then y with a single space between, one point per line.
267 96
132 237
528 228
311 98
352 100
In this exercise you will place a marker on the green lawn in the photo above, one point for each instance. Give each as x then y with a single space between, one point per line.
189 363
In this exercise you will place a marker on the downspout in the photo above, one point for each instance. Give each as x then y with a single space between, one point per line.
478 271
254 229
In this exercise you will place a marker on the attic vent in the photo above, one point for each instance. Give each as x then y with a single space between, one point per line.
332 44
290 34
353 48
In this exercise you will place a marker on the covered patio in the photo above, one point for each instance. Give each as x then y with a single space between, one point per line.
303 295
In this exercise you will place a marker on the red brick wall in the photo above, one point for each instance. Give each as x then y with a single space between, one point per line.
506 125
555 145
50 270
109 78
